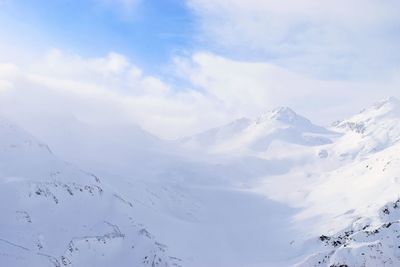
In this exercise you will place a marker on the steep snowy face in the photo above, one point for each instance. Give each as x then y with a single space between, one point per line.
278 125
53 214
358 211
372 130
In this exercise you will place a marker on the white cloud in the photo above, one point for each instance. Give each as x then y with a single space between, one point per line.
332 38
285 41
248 88
105 90
112 90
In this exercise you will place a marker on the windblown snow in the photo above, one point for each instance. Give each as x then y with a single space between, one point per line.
274 191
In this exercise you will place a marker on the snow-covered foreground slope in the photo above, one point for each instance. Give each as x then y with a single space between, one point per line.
275 191
53 214
359 213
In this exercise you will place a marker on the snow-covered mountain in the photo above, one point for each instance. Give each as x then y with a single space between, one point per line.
274 191
349 215
278 125
346 199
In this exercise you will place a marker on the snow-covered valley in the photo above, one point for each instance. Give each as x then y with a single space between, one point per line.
275 191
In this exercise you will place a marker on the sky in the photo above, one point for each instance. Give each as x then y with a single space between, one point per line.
178 67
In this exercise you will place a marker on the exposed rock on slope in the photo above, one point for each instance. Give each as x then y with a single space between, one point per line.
370 131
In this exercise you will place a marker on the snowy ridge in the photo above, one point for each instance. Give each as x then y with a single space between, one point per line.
245 135
370 131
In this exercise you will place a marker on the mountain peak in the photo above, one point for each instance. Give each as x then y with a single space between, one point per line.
281 114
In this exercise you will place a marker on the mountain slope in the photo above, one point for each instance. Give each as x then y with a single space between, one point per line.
56 215
359 213
370 131
275 191
348 215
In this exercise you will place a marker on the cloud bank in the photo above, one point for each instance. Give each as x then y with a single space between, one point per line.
324 59
112 90
328 39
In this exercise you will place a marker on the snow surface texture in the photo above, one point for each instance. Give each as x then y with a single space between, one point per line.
273 191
